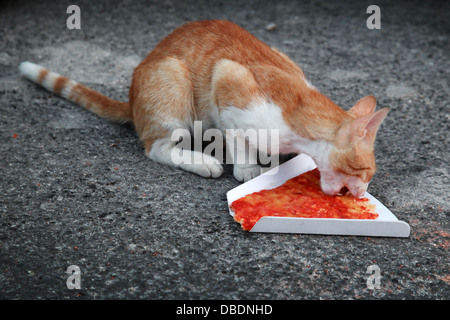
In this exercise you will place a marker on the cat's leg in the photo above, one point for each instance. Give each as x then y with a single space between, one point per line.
234 90
243 153
166 151
246 172
163 103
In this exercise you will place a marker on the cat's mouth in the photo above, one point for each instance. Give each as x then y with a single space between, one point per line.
344 190
358 193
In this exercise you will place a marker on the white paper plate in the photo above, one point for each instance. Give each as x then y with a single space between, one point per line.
386 225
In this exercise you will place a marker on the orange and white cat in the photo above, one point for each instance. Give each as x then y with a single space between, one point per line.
218 73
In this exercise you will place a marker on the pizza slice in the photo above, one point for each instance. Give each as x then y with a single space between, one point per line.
300 197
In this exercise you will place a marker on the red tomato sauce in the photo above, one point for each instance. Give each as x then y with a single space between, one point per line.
300 197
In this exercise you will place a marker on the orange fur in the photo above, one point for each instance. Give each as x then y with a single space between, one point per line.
265 71
100 104
42 75
228 88
60 84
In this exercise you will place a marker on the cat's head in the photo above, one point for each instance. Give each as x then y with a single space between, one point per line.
351 160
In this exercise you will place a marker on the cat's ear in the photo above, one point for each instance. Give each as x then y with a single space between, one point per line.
375 121
366 127
363 107
362 129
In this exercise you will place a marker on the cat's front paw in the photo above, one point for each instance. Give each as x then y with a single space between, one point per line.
246 172
209 167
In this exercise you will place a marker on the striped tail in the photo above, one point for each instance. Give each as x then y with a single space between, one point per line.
77 93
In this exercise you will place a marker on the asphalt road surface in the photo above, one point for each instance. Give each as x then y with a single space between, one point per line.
77 190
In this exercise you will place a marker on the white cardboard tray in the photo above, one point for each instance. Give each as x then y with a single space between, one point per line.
386 225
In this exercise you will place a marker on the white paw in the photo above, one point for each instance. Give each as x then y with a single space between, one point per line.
246 172
209 167
193 161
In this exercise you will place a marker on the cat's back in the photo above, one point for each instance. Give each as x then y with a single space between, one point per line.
205 42
207 37
195 49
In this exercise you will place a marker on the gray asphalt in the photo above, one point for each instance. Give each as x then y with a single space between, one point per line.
78 190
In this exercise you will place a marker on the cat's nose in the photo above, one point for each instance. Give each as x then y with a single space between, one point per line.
358 193
357 187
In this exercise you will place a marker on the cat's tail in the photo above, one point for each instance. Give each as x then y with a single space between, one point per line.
77 93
